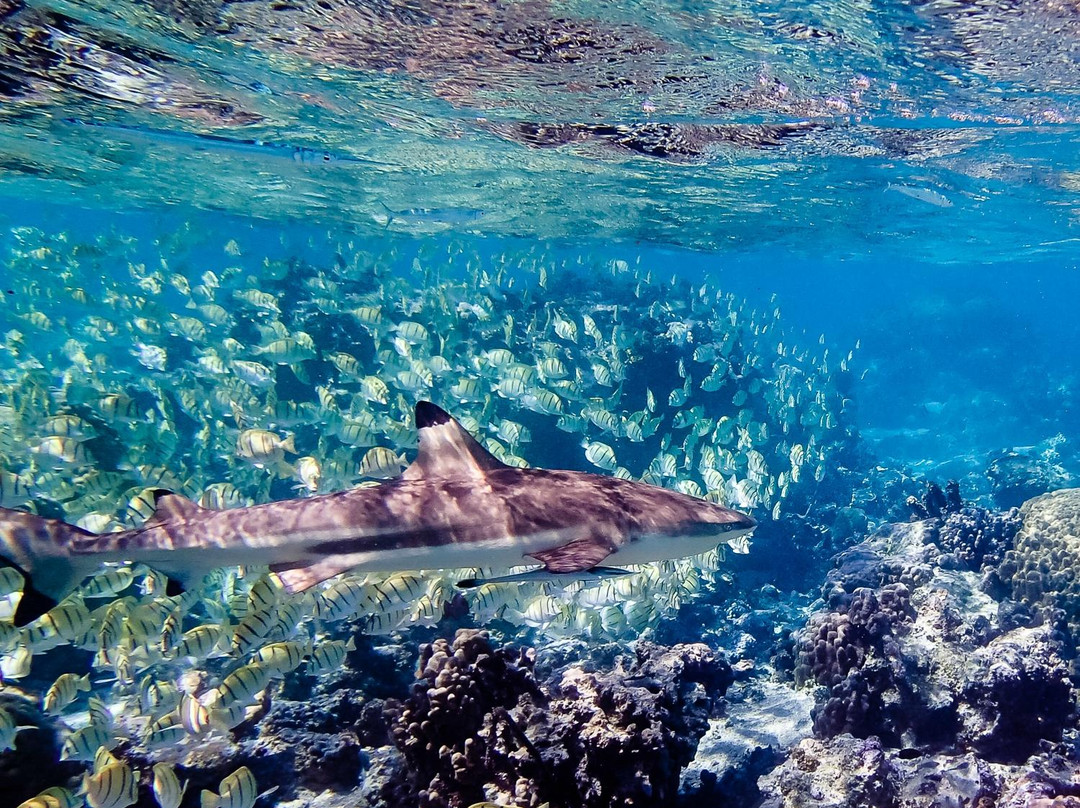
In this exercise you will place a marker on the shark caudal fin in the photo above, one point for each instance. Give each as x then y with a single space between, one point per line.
40 549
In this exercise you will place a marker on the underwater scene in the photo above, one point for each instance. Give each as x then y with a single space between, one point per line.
539 404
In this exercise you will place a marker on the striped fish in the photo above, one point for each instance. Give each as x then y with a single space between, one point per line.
64 691
238 790
243 684
115 786
194 717
55 797
328 656
167 789
84 743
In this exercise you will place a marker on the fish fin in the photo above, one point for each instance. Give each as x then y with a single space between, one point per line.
543 574
297 579
32 604
446 449
41 549
575 556
170 506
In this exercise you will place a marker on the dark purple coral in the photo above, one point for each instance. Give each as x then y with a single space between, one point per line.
977 537
479 725
853 652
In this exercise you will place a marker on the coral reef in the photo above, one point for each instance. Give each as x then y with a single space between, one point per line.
915 652
853 651
934 502
480 726
1042 567
848 772
976 537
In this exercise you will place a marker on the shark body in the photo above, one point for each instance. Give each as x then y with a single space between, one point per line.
456 505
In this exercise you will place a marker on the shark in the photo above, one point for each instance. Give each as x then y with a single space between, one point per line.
455 506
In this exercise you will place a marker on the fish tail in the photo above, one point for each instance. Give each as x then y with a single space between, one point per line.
210 800
39 549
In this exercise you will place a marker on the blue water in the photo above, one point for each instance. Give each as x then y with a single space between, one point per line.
887 194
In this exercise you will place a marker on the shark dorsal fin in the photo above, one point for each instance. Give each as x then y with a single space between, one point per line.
446 449
170 507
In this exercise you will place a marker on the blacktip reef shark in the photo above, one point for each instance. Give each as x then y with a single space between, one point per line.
455 506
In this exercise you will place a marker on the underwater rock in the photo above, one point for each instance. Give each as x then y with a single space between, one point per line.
1016 693
33 764
843 772
478 726
761 721
847 772
1018 475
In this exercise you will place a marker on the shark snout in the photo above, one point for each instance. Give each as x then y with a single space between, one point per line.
745 521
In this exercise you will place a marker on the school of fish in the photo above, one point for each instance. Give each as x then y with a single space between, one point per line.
254 379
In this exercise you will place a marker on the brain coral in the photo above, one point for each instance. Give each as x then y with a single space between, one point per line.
1042 565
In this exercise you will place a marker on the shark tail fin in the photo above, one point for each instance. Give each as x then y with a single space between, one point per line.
39 548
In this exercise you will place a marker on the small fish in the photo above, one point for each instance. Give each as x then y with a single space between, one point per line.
108 583
84 743
600 455
927 195
341 600
252 630
11 581
254 373
194 717
64 691
243 684
164 731
167 789
8 730
261 447
238 790
282 657
99 713
55 797
115 786
382 463
329 656
200 641
415 216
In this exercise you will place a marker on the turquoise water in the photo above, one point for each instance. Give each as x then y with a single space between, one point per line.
799 259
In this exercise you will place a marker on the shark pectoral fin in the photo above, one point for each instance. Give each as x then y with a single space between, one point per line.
575 556
296 579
